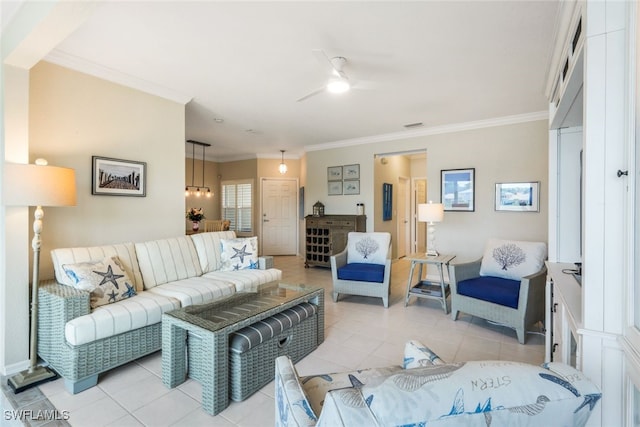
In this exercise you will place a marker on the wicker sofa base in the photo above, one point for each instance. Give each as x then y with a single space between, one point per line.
80 365
253 369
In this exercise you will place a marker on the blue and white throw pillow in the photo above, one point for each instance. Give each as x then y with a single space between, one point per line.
512 259
368 248
239 254
106 280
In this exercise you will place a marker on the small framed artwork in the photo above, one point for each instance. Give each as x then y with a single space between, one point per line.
351 172
334 173
117 177
518 196
387 202
458 189
351 187
335 188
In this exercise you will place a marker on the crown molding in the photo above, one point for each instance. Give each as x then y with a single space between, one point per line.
73 62
435 130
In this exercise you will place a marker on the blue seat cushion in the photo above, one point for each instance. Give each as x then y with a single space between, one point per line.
362 272
492 289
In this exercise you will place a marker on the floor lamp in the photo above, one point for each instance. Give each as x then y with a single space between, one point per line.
431 213
36 185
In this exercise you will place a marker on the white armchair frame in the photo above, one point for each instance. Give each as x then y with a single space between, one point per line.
353 287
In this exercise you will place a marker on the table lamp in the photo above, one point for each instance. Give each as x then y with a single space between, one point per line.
431 213
36 185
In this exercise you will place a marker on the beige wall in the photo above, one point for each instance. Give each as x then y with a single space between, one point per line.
509 153
74 116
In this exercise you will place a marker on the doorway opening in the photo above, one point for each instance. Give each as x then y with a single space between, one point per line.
406 171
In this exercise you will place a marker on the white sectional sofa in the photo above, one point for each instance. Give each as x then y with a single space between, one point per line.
80 340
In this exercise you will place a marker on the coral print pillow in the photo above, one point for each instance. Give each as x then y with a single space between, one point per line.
105 280
512 259
368 248
239 254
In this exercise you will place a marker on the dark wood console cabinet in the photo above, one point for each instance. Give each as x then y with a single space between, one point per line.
327 235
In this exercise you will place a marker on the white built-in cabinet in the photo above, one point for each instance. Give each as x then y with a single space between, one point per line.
590 206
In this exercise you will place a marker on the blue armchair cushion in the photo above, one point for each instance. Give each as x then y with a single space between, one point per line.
492 289
362 272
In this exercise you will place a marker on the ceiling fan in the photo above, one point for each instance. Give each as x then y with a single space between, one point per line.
338 82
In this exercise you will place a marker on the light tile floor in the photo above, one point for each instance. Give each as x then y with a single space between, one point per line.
359 333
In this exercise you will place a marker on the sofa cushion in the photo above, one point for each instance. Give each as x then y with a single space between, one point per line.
362 272
369 248
167 260
195 290
106 281
246 280
497 290
511 259
209 248
248 337
139 311
292 403
505 393
417 354
317 386
239 254
126 252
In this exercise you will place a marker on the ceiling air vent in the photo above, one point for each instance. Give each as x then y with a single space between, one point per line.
413 125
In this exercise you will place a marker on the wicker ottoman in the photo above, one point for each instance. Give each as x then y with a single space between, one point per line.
254 349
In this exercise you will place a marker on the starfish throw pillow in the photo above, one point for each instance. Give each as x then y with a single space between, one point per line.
239 254
105 280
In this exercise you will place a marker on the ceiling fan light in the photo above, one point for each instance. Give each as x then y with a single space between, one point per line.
340 85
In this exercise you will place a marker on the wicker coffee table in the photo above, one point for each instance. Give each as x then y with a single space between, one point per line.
198 335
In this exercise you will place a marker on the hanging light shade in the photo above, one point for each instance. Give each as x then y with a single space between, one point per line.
283 167
200 189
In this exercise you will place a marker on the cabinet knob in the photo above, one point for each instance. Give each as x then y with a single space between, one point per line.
554 348
555 307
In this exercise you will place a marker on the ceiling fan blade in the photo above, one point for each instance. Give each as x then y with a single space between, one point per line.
324 60
314 93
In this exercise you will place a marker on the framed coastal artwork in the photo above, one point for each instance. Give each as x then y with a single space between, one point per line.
458 189
518 196
117 177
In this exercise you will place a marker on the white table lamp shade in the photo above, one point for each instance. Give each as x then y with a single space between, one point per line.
430 212
33 185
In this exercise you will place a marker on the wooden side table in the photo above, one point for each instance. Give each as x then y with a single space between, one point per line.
427 288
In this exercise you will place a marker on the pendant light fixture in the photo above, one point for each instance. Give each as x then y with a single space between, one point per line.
199 190
282 168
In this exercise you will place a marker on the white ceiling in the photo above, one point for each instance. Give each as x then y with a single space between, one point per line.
247 63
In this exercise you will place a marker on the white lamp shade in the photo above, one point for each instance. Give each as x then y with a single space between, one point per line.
430 212
32 185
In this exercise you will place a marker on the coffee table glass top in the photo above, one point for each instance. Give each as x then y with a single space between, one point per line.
224 312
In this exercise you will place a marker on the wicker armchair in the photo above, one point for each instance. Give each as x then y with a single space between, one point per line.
530 306
366 277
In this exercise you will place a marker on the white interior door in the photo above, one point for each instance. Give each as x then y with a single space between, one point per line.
279 216
404 209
